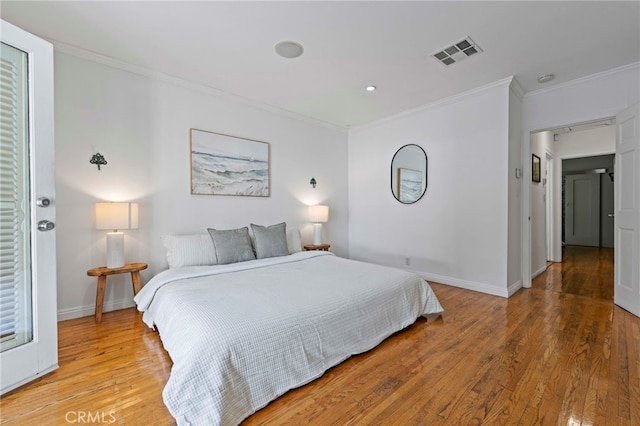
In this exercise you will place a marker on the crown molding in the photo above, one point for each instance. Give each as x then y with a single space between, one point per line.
505 82
187 84
584 79
517 89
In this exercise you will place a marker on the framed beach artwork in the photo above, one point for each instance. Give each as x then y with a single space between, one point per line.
409 185
228 165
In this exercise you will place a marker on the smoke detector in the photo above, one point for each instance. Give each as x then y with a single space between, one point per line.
546 78
457 52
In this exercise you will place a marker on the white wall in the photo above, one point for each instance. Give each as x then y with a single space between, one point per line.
457 233
514 265
586 143
599 96
140 123
541 143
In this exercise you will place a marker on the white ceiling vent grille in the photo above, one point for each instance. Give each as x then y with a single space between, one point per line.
457 52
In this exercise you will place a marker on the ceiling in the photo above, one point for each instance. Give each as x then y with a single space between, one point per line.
229 46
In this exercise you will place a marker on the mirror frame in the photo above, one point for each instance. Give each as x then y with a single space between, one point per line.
426 173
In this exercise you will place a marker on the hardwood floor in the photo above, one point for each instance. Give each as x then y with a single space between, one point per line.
559 353
585 271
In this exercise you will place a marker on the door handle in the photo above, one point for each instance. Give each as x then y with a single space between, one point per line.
45 225
43 202
611 215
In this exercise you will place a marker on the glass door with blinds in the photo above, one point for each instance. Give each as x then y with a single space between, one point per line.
16 327
28 326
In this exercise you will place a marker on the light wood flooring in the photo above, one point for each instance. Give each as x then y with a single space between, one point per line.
559 353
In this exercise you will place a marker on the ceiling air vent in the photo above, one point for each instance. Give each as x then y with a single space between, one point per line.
457 52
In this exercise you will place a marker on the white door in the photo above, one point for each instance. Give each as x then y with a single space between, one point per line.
627 211
28 309
582 210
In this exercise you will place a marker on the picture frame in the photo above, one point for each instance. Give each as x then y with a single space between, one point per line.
229 165
535 168
409 185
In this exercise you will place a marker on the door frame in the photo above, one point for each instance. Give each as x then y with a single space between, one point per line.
549 204
556 190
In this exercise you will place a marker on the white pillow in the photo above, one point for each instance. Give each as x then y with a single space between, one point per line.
189 250
294 240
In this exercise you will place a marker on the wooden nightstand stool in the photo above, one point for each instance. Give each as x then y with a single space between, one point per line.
102 273
322 247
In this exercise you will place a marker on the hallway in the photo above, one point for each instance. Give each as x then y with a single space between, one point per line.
584 271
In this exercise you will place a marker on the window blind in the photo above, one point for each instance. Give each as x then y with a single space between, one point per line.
15 267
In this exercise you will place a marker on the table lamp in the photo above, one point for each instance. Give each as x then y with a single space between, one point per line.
318 214
115 217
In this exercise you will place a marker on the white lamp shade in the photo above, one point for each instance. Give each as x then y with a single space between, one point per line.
318 213
115 216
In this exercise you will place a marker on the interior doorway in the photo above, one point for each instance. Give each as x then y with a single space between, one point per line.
548 197
588 214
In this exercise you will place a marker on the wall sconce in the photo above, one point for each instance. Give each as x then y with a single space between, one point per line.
313 182
114 217
98 160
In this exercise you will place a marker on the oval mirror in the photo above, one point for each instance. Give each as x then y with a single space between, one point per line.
409 174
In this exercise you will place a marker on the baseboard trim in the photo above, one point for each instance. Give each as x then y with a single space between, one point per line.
471 285
539 271
89 310
513 288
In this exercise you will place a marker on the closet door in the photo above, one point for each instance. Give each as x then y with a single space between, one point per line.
582 210
28 311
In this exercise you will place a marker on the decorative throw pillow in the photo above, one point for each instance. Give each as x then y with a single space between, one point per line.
189 250
294 240
232 245
270 241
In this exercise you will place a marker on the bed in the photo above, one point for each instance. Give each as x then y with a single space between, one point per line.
242 334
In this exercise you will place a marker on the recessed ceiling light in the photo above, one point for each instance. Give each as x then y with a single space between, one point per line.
289 49
546 78
371 88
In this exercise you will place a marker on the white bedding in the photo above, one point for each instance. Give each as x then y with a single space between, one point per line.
241 335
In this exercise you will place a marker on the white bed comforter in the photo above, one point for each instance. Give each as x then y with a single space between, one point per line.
241 335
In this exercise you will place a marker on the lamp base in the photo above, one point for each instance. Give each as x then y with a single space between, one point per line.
317 234
115 249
